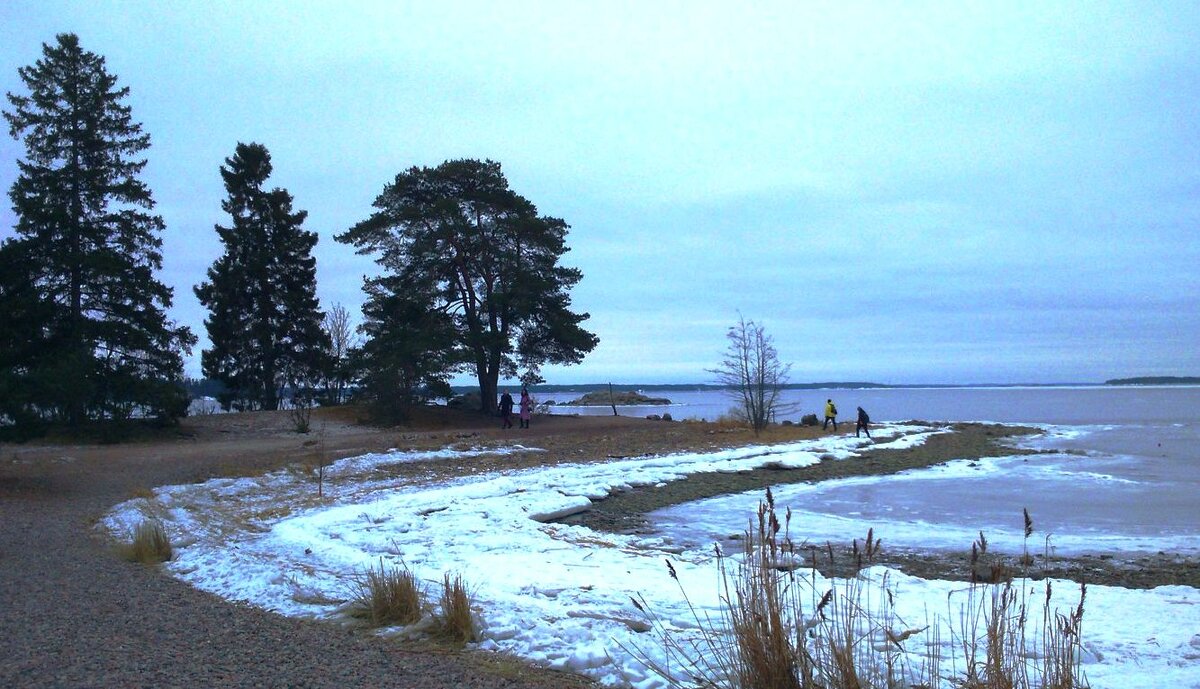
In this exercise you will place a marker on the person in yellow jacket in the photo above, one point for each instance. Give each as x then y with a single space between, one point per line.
830 415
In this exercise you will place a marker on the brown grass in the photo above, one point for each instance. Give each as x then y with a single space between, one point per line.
388 596
150 544
455 620
141 492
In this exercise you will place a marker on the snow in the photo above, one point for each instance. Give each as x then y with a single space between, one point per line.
563 595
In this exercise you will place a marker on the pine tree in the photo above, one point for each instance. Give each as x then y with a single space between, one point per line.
264 317
86 336
458 238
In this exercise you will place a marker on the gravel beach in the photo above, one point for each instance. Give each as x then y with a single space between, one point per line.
76 615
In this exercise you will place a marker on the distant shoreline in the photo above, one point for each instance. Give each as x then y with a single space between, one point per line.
853 385
1155 380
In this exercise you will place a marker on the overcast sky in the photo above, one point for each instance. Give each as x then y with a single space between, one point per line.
900 192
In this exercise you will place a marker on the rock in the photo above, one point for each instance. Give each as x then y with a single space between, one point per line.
654 417
809 420
667 417
787 422
470 400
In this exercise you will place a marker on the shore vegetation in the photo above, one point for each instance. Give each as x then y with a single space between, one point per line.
779 628
150 544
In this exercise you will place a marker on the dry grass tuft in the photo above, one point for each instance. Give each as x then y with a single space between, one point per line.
388 596
731 421
234 469
455 620
142 492
150 544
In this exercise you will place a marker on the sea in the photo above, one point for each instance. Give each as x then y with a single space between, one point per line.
1117 470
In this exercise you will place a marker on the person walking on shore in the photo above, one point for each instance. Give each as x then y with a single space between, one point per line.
861 425
506 407
526 408
830 416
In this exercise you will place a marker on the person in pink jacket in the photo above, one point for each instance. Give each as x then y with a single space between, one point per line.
526 408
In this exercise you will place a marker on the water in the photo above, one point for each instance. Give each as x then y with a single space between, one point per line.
1120 472
1059 405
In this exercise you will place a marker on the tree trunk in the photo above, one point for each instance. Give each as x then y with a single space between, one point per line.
487 366
488 384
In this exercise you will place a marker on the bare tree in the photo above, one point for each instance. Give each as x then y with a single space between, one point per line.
341 341
753 374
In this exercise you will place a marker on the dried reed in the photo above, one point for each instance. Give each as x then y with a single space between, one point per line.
776 630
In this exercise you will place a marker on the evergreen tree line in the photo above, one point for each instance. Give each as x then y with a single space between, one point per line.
469 278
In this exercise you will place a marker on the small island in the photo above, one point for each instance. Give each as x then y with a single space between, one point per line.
622 398
1155 380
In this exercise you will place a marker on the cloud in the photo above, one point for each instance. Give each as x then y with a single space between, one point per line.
986 190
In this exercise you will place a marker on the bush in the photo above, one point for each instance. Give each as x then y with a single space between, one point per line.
301 413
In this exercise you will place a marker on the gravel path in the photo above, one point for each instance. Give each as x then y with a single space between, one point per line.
76 615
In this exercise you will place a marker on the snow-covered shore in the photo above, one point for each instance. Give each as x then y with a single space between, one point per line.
560 594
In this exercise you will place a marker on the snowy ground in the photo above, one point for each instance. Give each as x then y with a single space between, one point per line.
562 595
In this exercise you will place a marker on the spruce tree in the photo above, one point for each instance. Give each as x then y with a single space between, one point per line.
410 349
264 317
86 334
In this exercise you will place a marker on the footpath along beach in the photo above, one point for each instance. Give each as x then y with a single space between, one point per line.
78 616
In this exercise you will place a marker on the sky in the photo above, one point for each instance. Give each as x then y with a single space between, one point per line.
916 192
269 541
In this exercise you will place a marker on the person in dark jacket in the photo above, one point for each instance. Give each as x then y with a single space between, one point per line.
863 420
506 407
